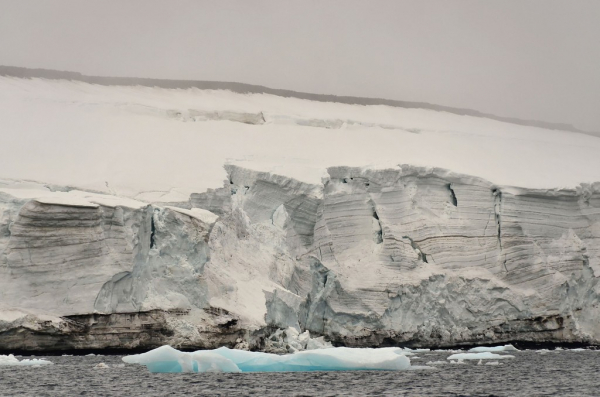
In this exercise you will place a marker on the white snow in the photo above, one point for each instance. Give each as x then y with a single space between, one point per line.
478 356
127 141
197 213
12 360
76 198
65 200
168 359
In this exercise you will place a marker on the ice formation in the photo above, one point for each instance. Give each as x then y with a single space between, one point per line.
291 341
478 356
494 349
168 359
12 360
138 236
439 362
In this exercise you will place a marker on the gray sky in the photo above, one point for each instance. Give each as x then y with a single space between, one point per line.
535 59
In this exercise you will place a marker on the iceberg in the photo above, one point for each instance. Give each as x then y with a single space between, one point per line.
478 356
168 359
494 349
12 360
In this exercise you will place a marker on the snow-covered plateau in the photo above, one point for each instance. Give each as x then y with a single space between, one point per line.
134 217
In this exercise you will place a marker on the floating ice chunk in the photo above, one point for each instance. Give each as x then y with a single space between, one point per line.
478 356
460 361
493 363
437 363
167 359
101 366
494 349
420 367
329 359
578 350
12 360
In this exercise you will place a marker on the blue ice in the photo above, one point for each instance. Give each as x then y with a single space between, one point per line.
168 359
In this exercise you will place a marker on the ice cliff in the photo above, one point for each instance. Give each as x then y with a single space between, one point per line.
369 257
121 229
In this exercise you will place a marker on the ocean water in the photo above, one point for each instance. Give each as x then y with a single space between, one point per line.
530 373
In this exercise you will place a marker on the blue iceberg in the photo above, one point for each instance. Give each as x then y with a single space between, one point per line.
168 359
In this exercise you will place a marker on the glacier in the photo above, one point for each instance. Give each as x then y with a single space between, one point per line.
137 217
168 359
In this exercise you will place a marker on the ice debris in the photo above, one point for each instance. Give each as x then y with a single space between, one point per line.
12 360
168 359
494 349
292 341
478 356
101 366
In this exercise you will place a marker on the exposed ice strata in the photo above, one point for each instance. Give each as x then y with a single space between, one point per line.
167 359
408 255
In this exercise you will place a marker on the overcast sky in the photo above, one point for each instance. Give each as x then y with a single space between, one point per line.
536 59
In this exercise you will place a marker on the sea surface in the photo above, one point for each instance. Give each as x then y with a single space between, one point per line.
530 373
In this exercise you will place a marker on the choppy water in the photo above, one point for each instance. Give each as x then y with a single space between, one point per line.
556 373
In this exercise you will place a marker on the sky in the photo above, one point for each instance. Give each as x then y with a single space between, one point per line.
532 59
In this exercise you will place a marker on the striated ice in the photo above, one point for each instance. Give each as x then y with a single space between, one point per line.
168 359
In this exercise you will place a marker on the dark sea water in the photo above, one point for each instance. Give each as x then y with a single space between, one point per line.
556 373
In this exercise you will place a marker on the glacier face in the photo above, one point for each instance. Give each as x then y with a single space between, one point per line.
408 255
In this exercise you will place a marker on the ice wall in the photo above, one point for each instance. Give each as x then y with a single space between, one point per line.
367 258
